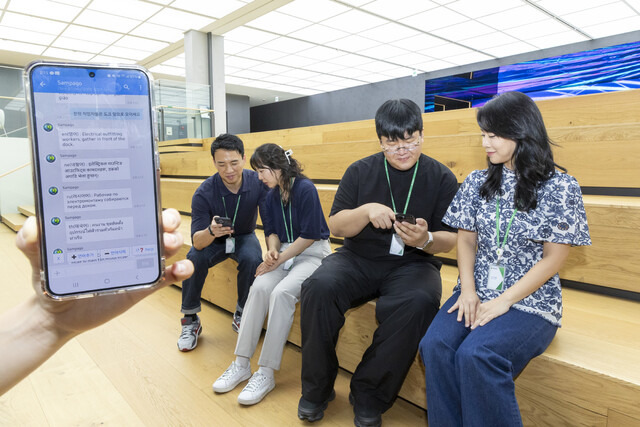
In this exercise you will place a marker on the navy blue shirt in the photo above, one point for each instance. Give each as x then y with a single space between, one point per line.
207 203
306 213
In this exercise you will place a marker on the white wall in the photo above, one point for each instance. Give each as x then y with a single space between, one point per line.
16 188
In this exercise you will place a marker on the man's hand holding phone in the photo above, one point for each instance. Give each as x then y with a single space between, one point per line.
413 231
220 226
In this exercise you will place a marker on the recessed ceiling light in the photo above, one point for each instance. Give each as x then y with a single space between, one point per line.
313 10
216 9
27 36
158 32
127 8
181 20
21 47
16 20
278 23
106 21
46 9
90 34
67 54
397 9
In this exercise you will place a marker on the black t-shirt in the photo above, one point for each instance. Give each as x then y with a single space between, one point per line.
365 182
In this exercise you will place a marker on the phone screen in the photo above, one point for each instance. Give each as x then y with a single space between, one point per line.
96 177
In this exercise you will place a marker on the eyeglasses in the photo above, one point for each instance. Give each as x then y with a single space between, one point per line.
395 147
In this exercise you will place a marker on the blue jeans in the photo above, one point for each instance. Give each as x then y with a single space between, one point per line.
469 374
248 254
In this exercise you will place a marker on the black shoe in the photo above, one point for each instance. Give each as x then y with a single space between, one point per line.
362 420
311 411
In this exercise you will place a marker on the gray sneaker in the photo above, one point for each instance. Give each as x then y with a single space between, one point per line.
189 336
233 376
235 324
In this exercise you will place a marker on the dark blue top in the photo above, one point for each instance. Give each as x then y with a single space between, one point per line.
207 203
306 213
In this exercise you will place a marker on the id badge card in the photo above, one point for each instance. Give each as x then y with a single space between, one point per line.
496 277
230 245
397 245
288 264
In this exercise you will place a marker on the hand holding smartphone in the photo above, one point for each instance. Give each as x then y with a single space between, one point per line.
406 218
96 177
224 221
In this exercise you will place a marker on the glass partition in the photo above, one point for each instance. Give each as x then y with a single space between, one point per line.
16 184
183 110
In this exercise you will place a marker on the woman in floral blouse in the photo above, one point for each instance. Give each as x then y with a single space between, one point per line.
516 221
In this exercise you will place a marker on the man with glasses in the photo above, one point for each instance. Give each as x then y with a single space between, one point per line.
388 208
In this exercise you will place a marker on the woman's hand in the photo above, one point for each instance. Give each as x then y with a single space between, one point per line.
264 268
271 257
489 310
467 306
69 318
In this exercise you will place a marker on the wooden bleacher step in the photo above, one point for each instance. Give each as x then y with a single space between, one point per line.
14 221
27 210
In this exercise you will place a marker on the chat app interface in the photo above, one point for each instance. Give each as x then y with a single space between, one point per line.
97 177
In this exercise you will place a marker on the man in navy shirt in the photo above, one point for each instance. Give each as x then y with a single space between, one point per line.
234 193
385 256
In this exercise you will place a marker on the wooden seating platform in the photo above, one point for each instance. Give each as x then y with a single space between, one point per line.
588 375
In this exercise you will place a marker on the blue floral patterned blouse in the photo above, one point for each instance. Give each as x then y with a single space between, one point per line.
558 218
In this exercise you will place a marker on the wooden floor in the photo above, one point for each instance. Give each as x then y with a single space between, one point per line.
130 372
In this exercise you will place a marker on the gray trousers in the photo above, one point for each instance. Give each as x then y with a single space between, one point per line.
276 292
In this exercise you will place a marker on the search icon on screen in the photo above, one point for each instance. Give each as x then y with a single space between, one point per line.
125 86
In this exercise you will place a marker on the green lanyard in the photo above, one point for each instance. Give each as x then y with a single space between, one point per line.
500 249
415 172
286 229
233 221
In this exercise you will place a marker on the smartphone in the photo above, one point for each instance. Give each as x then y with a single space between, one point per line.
406 218
224 221
96 177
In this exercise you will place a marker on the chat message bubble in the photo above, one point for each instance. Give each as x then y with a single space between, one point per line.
118 113
94 230
93 200
73 138
77 170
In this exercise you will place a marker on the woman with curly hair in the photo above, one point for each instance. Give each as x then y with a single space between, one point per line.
516 221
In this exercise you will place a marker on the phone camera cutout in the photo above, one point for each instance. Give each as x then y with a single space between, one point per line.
92 74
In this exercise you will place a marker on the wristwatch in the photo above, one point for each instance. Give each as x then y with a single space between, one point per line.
210 232
428 243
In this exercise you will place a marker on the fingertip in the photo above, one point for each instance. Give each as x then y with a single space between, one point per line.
170 219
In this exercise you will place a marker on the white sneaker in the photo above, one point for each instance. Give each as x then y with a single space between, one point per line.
258 387
233 376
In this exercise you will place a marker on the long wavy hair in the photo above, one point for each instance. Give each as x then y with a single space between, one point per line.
514 116
274 157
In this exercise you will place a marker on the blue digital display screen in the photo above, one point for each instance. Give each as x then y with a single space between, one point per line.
601 70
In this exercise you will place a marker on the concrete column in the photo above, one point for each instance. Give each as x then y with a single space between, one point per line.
218 90
196 51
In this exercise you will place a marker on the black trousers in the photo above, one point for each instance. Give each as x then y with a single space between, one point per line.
408 295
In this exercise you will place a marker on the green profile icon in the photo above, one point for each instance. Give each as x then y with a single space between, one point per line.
55 220
50 158
53 190
48 127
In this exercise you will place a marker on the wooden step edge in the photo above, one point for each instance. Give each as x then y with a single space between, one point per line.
27 210
14 221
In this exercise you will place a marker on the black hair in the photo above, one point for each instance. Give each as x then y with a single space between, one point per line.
273 157
396 117
227 141
514 116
